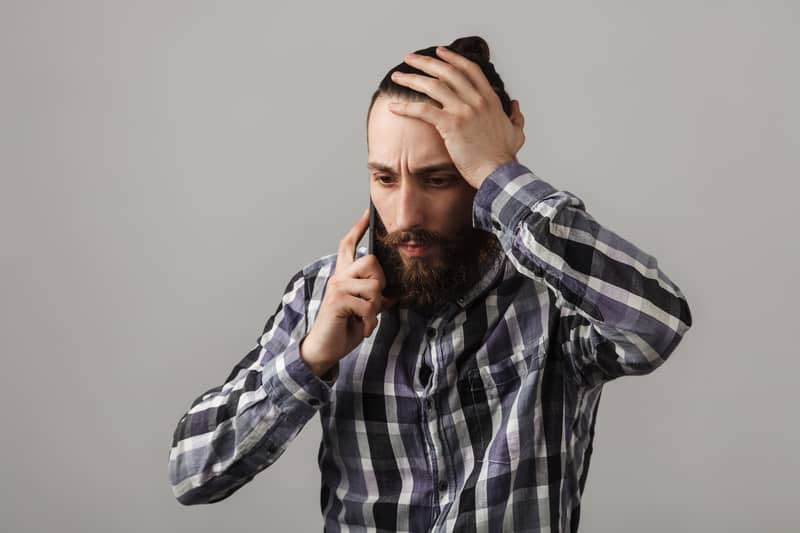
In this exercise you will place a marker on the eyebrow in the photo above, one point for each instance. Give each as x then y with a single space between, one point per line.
422 171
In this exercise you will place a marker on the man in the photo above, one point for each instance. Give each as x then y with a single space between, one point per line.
467 401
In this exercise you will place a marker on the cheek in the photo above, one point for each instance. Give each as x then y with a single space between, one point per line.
383 204
459 213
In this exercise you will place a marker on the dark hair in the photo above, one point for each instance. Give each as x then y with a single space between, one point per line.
473 48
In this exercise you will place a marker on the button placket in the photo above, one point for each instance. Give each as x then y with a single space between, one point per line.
429 403
431 334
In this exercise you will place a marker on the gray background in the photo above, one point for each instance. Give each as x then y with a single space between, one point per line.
166 166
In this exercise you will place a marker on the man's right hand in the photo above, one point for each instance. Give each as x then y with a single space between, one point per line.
350 307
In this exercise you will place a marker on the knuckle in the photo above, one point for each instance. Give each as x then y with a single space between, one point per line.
454 72
334 285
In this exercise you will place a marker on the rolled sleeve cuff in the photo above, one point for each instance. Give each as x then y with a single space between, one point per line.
506 196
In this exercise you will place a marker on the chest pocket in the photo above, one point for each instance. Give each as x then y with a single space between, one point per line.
494 388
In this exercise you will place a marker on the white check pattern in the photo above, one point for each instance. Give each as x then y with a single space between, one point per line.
479 417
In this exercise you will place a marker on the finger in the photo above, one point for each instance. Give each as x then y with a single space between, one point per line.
347 246
367 289
364 310
436 89
470 69
366 267
421 110
450 84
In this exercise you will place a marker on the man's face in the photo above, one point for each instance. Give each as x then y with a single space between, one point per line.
431 209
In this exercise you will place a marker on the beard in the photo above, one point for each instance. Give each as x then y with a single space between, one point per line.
443 274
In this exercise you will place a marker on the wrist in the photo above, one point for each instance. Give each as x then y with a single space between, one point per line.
487 169
308 355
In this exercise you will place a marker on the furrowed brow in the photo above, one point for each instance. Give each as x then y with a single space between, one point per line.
422 171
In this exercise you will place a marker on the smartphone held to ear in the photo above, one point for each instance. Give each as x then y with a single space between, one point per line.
371 238
374 246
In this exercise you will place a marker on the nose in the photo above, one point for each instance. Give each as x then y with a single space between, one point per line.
410 207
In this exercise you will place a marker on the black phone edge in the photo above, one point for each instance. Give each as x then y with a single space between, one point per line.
371 237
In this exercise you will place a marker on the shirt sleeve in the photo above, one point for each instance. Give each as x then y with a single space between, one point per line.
234 430
619 314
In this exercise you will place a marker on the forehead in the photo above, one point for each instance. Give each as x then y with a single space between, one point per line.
396 140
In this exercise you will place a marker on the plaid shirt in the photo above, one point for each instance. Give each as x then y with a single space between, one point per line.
479 417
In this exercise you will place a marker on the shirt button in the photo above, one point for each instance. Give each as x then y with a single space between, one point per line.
442 485
431 333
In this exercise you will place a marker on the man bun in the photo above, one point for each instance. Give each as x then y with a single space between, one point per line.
473 46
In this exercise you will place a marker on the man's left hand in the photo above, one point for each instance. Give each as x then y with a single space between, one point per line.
477 133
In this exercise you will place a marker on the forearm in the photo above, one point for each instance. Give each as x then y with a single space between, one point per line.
239 428
600 278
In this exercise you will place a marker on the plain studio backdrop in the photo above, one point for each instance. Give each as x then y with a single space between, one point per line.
166 166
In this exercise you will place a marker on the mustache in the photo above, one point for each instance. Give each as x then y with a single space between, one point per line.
423 237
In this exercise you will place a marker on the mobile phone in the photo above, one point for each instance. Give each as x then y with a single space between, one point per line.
371 237
374 246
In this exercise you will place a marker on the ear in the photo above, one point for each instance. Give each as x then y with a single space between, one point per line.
517 118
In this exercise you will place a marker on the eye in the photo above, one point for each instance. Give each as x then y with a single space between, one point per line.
384 179
439 182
